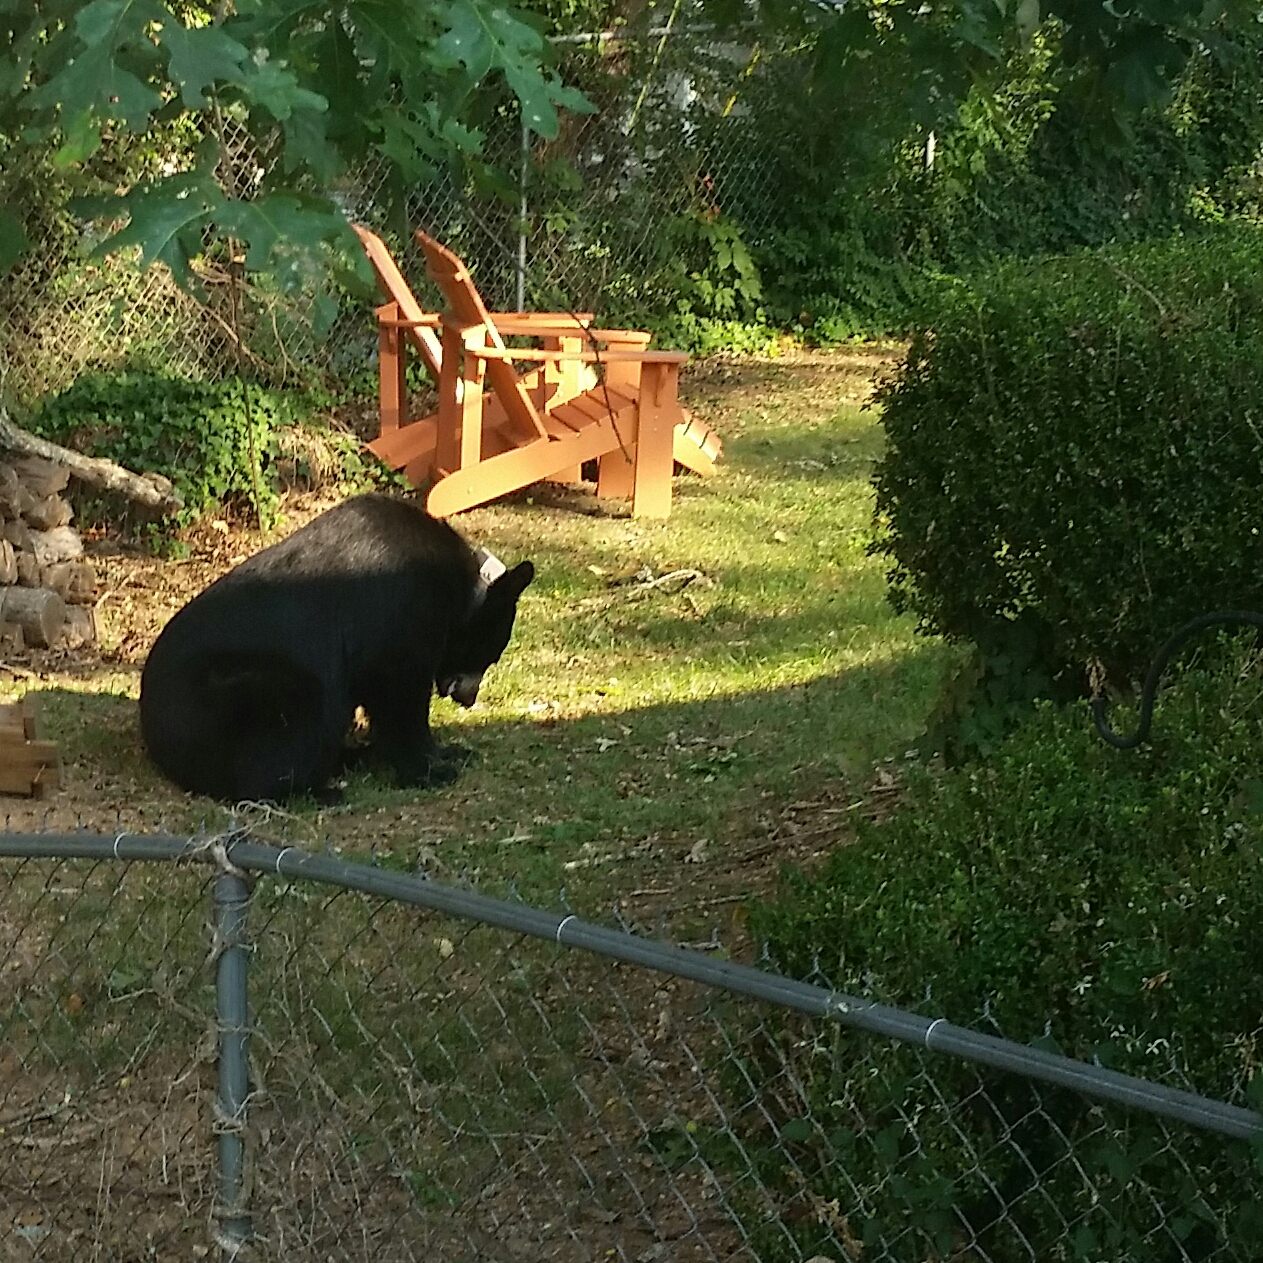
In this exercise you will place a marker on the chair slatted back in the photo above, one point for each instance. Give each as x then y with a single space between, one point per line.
466 306
392 284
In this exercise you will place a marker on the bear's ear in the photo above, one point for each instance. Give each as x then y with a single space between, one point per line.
514 582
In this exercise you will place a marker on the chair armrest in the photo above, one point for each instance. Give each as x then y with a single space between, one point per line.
587 357
426 322
565 318
631 336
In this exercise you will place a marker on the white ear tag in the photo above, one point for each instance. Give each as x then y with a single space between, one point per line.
491 568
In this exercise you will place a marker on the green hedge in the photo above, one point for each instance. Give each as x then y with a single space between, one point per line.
1074 459
1103 904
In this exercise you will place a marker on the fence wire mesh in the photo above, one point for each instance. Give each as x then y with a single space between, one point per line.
107 1011
605 217
425 1084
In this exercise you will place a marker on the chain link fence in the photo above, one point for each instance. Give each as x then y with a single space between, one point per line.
242 1051
606 217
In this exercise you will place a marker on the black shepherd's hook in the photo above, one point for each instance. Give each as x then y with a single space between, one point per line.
1226 617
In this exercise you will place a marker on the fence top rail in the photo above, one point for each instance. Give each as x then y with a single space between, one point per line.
235 851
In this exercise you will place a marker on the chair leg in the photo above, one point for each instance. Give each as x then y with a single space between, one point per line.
392 367
420 468
655 443
614 479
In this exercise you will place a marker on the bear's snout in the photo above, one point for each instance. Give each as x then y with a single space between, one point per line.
462 689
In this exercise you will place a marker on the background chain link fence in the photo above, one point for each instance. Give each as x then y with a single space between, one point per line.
430 1075
605 217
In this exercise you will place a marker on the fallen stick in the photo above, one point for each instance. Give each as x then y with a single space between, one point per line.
152 490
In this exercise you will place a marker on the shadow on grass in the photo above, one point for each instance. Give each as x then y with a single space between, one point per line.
544 791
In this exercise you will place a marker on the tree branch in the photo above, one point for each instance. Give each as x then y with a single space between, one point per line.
152 490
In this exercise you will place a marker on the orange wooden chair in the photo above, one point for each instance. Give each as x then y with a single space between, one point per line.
496 430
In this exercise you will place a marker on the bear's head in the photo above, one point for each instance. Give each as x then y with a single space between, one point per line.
480 642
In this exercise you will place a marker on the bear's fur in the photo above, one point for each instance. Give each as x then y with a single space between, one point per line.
250 691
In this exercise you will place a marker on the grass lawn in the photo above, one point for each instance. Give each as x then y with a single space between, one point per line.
667 743
659 746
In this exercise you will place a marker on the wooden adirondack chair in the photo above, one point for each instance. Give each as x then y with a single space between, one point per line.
496 431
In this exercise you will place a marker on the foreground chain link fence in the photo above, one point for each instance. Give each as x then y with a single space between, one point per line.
609 216
217 1048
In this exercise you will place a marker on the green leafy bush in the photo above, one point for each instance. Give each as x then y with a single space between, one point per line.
1102 904
701 335
1074 462
216 441
227 446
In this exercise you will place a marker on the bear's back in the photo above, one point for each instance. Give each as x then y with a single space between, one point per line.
366 567
368 534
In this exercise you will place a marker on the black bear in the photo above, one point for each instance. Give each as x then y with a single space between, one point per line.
250 691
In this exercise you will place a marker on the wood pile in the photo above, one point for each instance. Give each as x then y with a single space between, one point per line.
47 585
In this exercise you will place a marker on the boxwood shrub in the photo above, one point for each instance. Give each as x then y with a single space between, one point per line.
1074 459
1103 904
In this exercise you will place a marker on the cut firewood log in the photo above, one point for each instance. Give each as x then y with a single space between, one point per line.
81 627
18 534
56 578
49 513
40 612
42 478
73 581
29 764
16 498
62 543
9 485
43 570
83 584
11 638
23 501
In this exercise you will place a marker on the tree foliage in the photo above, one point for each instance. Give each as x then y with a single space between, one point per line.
1126 56
316 86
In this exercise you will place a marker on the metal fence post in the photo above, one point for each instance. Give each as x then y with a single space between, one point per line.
232 897
523 176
